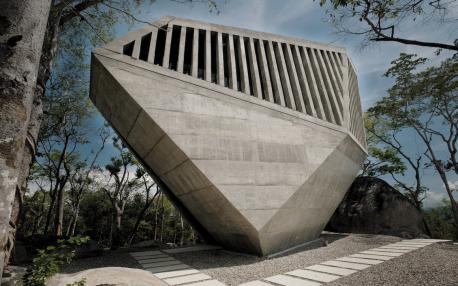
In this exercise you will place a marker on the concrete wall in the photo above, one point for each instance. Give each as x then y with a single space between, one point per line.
260 175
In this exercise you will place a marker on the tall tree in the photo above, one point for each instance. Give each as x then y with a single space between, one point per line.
382 20
388 156
146 185
120 187
22 30
62 133
426 103
81 180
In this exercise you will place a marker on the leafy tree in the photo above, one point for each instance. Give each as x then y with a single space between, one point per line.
426 104
440 220
383 19
33 44
147 184
120 187
387 156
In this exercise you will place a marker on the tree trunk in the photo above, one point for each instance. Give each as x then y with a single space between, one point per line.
49 213
162 218
22 30
139 219
182 230
117 219
75 218
155 220
59 218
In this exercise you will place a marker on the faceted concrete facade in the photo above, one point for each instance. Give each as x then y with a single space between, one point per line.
256 137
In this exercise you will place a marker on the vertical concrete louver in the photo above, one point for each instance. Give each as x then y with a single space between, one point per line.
255 136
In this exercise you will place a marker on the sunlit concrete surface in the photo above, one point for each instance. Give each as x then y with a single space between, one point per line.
255 137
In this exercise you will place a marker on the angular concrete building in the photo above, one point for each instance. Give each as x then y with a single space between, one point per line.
255 137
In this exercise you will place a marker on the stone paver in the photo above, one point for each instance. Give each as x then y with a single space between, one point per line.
391 250
313 275
428 240
360 260
393 254
187 279
255 283
176 273
332 270
212 282
168 268
157 264
397 246
349 265
152 260
143 253
414 243
371 256
173 272
192 248
291 281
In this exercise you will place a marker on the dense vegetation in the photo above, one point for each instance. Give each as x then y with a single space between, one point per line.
421 106
73 190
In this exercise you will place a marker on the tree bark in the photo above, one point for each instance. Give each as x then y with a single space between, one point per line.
59 218
22 30
139 219
117 219
162 218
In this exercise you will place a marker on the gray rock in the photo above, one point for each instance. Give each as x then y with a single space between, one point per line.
372 206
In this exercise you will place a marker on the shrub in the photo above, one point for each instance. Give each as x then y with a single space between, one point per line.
48 261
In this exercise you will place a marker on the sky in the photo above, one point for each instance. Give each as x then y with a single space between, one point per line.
306 19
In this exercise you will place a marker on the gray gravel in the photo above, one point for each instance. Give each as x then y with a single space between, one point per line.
436 264
234 269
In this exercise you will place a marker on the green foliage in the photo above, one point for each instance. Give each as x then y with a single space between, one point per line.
377 20
81 282
48 261
440 221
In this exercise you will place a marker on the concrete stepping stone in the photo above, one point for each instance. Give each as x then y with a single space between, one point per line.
414 243
208 283
151 257
349 265
401 246
331 270
374 252
290 281
152 260
360 260
313 275
428 240
176 273
371 256
255 283
167 268
408 244
391 250
157 264
192 248
143 253
187 279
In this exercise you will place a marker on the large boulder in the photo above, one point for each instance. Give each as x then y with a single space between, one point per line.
373 206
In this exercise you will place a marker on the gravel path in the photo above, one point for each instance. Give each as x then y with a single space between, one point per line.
234 269
436 264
